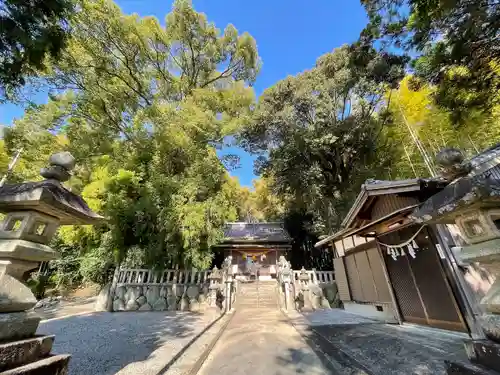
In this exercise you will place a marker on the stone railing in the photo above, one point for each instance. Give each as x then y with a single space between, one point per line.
172 290
315 277
151 277
306 289
143 289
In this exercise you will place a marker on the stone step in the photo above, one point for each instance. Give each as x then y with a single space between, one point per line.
53 365
21 352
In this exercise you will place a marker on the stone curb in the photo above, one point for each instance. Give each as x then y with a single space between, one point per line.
182 363
201 360
324 348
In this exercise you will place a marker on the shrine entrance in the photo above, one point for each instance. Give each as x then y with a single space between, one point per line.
422 291
255 249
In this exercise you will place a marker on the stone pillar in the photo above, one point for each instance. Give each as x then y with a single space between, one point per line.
215 286
227 272
34 211
305 280
284 279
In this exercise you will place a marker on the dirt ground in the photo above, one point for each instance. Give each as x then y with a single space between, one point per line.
78 301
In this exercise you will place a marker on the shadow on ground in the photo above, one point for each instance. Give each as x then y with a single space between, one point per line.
383 349
104 343
73 305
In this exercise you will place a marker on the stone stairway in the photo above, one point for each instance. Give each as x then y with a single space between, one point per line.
257 294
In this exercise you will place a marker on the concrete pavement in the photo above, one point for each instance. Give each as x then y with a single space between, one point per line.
262 341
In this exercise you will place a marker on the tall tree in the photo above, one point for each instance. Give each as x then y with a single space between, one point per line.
457 43
143 108
318 132
30 31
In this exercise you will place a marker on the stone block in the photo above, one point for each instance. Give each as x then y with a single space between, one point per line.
21 352
178 290
192 292
131 306
132 294
103 298
30 226
172 303
14 295
183 304
118 305
163 291
194 305
18 325
63 159
160 304
120 292
53 365
153 294
141 300
145 307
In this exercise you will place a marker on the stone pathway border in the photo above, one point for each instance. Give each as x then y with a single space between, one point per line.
191 361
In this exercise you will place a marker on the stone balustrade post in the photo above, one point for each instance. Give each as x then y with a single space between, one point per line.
215 286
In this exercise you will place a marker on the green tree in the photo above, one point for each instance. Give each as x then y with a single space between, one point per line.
318 132
30 31
447 35
143 108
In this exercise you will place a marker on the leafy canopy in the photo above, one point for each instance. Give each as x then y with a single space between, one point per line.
318 132
143 108
30 31
457 42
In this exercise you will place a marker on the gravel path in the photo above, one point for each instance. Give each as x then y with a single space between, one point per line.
129 342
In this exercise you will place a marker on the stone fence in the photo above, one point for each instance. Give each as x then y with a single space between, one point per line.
150 277
315 277
306 289
183 290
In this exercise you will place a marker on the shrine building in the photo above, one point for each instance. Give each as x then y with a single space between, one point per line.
255 248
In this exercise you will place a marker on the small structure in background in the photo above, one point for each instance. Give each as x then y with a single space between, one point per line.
34 211
255 249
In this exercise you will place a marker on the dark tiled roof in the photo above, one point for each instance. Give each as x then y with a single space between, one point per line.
255 232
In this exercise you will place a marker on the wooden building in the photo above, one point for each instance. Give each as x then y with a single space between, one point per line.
255 248
389 267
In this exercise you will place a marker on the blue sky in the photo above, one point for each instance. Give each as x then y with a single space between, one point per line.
290 36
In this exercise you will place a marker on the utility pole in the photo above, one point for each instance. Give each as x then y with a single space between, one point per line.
11 167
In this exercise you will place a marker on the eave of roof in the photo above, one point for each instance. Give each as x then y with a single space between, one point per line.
378 188
346 232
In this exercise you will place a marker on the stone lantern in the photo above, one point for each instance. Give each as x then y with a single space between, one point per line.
34 211
471 201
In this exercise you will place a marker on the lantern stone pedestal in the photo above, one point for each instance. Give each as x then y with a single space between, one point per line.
471 201
34 211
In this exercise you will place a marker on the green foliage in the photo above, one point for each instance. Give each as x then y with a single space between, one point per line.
30 31
143 108
38 284
448 36
318 132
